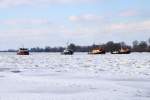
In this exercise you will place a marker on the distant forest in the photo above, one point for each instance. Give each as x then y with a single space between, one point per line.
137 46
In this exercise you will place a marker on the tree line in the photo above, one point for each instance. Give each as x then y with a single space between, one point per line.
137 46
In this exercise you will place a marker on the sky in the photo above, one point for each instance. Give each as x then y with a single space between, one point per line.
55 22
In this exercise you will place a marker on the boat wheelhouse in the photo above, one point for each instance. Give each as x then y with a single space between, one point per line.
121 51
68 52
97 51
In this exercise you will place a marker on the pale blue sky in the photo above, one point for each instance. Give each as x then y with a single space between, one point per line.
83 22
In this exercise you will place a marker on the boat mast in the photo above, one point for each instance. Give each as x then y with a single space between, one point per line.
122 44
22 45
67 44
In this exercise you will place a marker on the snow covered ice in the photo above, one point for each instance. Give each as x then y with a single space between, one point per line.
51 76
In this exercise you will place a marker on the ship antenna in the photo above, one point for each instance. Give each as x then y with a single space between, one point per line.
22 45
67 44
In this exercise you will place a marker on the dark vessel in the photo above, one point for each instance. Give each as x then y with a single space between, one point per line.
67 52
121 51
97 51
23 51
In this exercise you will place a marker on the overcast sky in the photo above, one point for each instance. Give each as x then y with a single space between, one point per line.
83 22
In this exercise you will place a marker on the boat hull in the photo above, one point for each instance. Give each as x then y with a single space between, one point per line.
22 53
97 53
128 52
67 53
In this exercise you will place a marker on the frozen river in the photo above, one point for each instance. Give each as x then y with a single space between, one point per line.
51 76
